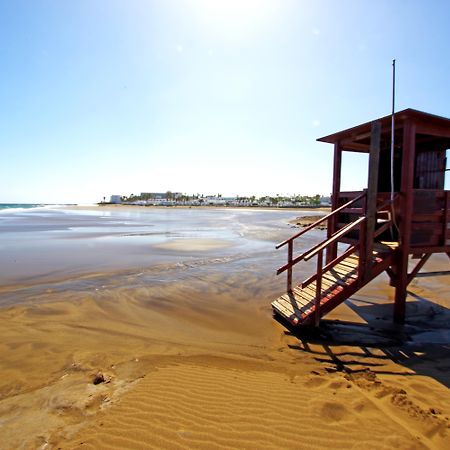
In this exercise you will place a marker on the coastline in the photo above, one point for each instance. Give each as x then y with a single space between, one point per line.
113 207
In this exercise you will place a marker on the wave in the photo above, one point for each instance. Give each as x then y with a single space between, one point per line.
18 207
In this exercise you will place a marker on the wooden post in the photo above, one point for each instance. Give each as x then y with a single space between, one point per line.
289 271
332 221
318 287
445 218
406 209
363 255
371 198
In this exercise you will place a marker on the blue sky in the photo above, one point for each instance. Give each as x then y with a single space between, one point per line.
118 97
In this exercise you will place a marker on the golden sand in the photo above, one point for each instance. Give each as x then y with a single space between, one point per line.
203 365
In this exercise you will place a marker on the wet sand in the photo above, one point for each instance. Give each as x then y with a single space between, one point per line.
187 355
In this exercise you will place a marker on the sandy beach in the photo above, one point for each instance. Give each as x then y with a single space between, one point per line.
142 329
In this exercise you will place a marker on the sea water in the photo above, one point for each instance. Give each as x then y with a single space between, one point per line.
19 205
46 245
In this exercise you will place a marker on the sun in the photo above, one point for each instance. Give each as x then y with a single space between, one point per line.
235 17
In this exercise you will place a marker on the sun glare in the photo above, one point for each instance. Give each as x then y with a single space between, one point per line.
235 17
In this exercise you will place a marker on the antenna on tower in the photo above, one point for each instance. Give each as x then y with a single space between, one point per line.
392 130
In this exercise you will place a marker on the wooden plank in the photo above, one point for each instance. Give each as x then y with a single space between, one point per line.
302 293
331 264
281 309
433 129
290 300
335 238
435 227
445 218
327 293
345 273
289 270
434 217
371 198
406 207
429 249
318 288
379 247
286 306
291 307
335 281
302 301
357 211
305 307
311 290
337 164
330 276
326 283
419 265
352 264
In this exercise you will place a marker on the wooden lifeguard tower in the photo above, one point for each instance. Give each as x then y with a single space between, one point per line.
397 219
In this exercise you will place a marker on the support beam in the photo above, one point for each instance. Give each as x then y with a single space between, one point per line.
371 199
331 228
392 276
445 218
419 265
406 209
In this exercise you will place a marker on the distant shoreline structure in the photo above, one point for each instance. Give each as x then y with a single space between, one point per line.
178 199
179 205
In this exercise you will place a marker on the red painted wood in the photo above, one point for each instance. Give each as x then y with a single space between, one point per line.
445 218
318 287
406 209
337 167
289 273
421 213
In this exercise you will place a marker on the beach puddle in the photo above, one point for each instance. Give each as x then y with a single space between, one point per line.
194 245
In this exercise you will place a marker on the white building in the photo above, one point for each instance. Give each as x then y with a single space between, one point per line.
116 199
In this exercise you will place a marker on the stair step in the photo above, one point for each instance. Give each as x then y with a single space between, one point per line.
337 283
344 272
350 264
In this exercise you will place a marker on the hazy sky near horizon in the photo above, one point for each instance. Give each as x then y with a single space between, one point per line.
101 97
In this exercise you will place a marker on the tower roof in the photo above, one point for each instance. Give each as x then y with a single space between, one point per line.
358 138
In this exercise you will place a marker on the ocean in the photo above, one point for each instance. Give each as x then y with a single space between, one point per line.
45 246
20 205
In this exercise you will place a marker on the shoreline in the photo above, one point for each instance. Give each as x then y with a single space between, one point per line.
250 208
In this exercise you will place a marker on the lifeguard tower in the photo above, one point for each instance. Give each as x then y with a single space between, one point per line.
402 217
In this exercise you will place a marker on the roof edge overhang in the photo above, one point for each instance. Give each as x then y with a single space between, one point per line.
427 120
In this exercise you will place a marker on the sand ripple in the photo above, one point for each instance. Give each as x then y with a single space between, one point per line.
189 406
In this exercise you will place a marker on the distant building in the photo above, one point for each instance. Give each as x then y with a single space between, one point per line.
116 199
325 201
160 195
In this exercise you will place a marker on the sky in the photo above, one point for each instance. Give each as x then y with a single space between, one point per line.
102 97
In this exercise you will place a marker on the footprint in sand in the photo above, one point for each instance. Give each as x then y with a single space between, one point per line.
333 411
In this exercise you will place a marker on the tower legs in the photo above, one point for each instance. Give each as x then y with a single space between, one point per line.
401 285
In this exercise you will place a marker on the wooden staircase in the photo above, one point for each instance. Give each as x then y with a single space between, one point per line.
341 277
338 283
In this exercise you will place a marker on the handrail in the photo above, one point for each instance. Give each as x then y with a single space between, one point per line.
331 264
308 255
333 238
318 222
319 248
301 257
